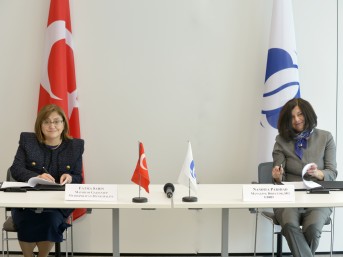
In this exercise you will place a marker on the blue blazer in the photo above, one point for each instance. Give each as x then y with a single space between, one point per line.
32 156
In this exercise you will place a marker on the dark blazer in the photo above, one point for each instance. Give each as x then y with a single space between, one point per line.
32 156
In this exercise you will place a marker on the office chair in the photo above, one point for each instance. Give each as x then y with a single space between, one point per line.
9 227
265 177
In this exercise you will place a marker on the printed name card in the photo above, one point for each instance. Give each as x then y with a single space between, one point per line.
91 192
268 193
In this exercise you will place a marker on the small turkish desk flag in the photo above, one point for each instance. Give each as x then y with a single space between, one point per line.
141 174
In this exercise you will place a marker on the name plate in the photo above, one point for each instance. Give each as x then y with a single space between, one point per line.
268 193
91 192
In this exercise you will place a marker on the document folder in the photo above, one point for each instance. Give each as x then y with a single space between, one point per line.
331 185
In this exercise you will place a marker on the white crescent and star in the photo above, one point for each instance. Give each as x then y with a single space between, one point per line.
72 102
141 164
55 32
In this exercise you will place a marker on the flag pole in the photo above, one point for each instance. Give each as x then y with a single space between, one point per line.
189 198
189 187
139 188
139 199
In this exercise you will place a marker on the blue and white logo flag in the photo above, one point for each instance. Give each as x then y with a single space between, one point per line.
282 76
187 175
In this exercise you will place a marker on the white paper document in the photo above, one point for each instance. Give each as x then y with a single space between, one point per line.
31 183
298 185
308 183
304 184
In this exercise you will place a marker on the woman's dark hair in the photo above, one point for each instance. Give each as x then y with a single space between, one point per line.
44 114
285 127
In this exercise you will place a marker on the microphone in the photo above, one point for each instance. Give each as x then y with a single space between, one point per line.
169 189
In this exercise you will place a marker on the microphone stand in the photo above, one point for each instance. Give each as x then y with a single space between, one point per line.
189 198
139 199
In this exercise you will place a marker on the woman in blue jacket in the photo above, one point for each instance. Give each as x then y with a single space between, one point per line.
51 154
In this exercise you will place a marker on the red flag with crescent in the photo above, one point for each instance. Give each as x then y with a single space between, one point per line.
141 174
58 82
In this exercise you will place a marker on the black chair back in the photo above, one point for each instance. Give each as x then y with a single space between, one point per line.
265 173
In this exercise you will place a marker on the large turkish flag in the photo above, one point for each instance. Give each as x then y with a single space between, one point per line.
58 84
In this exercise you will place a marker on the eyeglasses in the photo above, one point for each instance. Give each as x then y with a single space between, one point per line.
55 122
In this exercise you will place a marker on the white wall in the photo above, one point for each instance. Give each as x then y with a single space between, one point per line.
165 72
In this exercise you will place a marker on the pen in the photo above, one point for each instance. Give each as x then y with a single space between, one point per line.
45 170
49 177
281 172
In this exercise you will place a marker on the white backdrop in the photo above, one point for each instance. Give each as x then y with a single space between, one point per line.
165 72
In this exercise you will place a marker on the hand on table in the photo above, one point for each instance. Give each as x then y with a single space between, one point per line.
47 176
66 179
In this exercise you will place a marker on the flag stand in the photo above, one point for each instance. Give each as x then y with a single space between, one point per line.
139 199
189 198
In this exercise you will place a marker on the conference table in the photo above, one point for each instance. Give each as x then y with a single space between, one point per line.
230 196
213 196
56 199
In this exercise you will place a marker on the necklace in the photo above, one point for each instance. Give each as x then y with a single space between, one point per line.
55 147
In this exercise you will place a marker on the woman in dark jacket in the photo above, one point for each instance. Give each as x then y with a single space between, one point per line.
51 154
